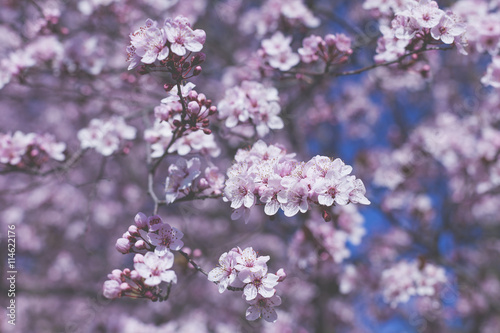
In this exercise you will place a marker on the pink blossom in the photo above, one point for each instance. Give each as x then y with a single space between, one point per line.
263 307
182 37
492 77
447 29
155 269
181 176
258 282
165 238
225 273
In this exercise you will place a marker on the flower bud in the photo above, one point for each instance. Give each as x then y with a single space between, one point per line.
207 131
197 70
141 221
281 274
134 275
122 245
140 244
193 108
111 289
192 95
116 274
124 286
212 110
138 258
168 87
133 230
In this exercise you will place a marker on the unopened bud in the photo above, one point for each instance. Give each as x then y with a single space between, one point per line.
122 245
133 230
193 95
141 221
124 286
207 131
197 70
138 258
168 87
281 275
212 110
140 244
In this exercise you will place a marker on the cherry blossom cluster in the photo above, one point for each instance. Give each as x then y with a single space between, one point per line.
333 49
251 103
106 137
164 139
181 180
170 44
483 25
277 52
189 114
40 50
320 242
271 175
153 242
181 123
245 270
266 19
407 279
419 24
29 150
492 77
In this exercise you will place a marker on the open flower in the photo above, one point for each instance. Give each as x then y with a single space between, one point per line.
263 307
155 269
165 238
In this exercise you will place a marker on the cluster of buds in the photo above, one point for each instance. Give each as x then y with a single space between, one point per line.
142 282
169 47
244 270
150 234
189 113
333 49
152 240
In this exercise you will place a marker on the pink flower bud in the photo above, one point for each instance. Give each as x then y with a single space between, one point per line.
133 230
212 110
140 244
134 275
141 221
116 274
122 245
138 258
207 131
193 95
202 99
197 70
193 108
281 274
203 184
124 286
111 289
